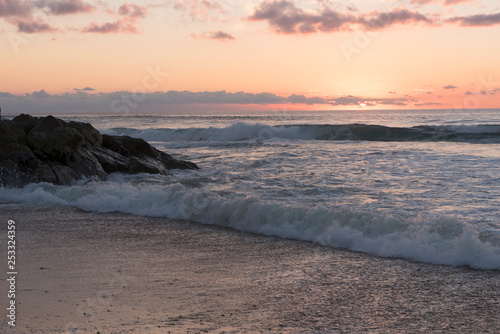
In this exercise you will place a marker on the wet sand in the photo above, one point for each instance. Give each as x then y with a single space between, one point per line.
81 272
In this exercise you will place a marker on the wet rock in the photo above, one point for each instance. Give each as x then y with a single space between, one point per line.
48 149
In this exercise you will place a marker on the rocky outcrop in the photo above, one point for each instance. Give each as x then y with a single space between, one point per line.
48 149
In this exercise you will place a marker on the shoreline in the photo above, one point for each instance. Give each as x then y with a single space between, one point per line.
114 273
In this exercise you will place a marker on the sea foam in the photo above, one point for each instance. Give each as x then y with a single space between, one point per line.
245 131
444 240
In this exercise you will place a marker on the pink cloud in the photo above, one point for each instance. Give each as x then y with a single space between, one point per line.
477 20
14 8
421 2
217 35
120 26
31 26
65 7
381 20
286 18
132 10
455 2
201 10
445 2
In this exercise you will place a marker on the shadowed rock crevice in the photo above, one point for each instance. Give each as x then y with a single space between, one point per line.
48 149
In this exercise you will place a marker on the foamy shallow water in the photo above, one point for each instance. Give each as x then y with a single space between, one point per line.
433 198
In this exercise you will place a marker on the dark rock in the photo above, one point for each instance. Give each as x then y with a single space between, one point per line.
65 175
24 122
46 174
110 161
137 147
48 149
136 166
20 166
10 134
11 175
140 148
91 135
16 152
172 163
84 162
113 144
57 143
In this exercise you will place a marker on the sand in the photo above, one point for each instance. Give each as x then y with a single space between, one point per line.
81 272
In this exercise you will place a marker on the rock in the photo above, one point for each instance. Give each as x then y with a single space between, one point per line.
55 139
91 135
140 148
65 175
113 144
136 166
137 147
10 134
111 162
24 122
85 163
20 166
172 163
46 174
48 149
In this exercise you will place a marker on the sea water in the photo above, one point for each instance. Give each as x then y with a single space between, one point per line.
420 185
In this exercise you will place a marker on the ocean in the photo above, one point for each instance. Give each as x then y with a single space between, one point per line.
419 185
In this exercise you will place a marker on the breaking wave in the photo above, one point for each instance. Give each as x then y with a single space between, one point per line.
245 131
443 240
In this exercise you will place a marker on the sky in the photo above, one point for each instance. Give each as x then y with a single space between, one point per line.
150 56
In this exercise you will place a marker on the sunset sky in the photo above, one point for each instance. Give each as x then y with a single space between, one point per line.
149 56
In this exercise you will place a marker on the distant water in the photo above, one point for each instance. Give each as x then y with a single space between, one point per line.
419 185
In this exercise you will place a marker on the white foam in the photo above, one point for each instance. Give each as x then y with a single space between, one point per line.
444 240
236 132
245 131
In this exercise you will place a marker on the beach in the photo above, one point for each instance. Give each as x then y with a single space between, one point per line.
268 166
85 272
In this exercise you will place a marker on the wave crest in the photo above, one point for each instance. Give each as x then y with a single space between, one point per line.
245 131
444 240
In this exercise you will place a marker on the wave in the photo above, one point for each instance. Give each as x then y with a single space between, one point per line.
448 241
245 131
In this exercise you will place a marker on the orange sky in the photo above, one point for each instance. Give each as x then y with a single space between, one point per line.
254 54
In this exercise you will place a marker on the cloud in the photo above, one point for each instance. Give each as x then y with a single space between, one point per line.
305 100
428 104
6 94
455 2
446 2
381 20
26 15
81 101
132 10
477 20
421 2
355 100
65 7
119 26
39 95
218 35
201 10
449 87
18 8
131 14
86 89
221 35
286 18
31 27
